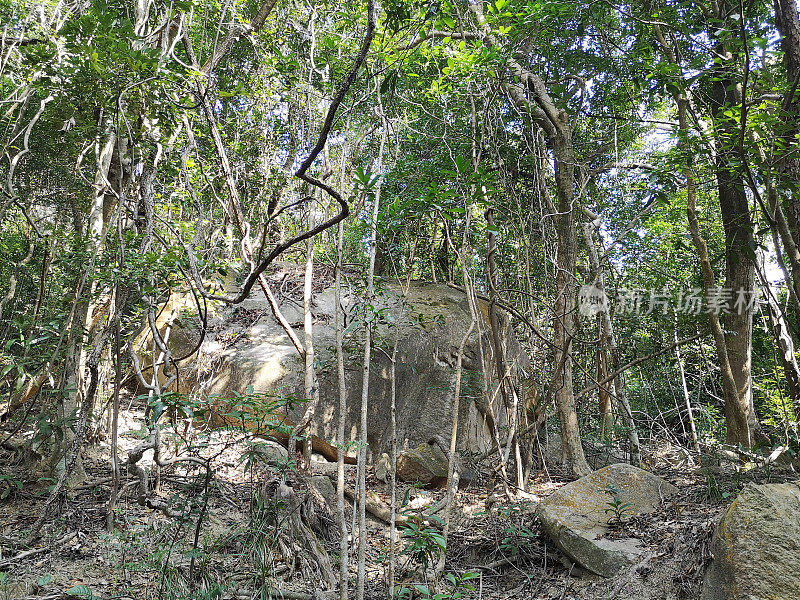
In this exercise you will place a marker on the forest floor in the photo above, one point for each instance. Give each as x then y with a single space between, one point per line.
223 549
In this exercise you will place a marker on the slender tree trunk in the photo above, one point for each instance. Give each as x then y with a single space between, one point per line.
788 162
786 351
344 547
781 331
785 246
554 121
393 474
370 300
610 341
12 285
452 465
736 410
504 376
310 380
115 470
87 311
685 388
604 406
112 500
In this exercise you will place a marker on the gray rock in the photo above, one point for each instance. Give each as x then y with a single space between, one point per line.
272 453
576 520
248 348
383 467
425 464
756 546
325 486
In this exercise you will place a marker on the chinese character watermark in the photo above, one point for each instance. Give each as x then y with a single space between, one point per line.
692 301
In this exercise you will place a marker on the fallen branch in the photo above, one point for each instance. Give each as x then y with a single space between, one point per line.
377 507
286 595
507 560
37 551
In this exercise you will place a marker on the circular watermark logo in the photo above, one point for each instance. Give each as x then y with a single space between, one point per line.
592 300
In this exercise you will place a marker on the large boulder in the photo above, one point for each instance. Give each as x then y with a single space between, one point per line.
273 453
425 464
576 517
245 348
756 546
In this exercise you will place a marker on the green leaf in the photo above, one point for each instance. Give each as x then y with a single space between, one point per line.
422 589
674 89
81 591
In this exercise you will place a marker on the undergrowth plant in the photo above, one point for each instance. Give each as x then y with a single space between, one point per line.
425 543
516 539
619 510
453 586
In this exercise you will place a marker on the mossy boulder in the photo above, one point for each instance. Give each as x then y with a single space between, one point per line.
576 517
425 464
246 349
756 546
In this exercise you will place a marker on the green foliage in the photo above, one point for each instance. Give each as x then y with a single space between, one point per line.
254 456
619 510
772 401
454 586
82 591
516 539
424 542
714 490
9 486
254 411
456 146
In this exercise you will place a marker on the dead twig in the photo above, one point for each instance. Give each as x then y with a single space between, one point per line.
37 551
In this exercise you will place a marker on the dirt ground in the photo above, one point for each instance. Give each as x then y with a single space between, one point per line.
224 547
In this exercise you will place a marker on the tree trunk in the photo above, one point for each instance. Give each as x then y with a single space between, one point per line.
344 547
738 415
605 409
370 299
736 410
788 175
310 381
739 267
453 474
564 321
553 120
505 380
685 388
781 331
106 187
610 341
